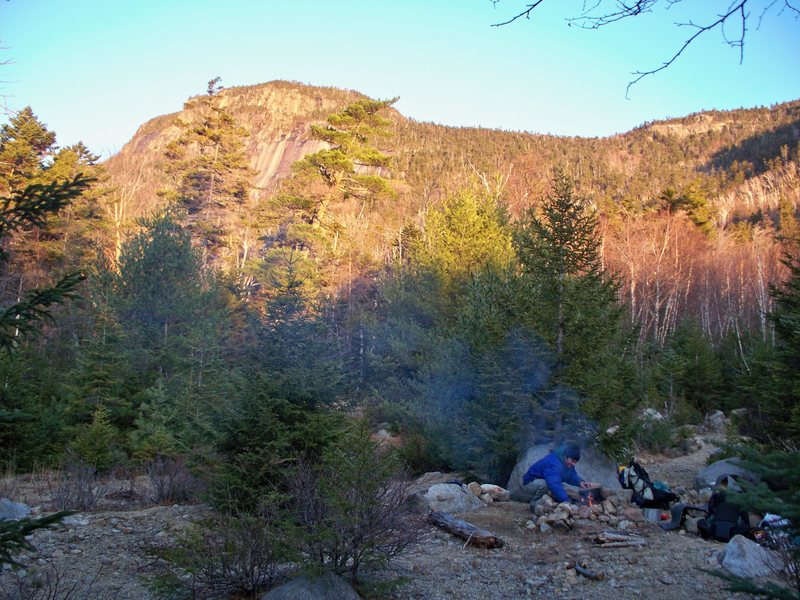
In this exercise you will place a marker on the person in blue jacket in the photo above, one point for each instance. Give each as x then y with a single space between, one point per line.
550 473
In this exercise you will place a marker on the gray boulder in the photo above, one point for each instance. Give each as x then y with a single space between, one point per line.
709 476
744 558
449 498
593 466
13 511
716 422
324 587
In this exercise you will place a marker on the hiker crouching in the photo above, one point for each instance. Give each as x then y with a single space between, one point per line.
549 474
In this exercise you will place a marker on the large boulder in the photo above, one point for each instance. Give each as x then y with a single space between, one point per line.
449 498
324 587
716 422
714 472
593 466
13 511
745 558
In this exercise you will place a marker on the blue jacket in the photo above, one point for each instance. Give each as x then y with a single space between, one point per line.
554 471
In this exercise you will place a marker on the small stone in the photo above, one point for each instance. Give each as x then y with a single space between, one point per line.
545 528
624 524
561 525
475 488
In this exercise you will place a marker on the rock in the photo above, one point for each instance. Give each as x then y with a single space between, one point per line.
709 476
704 495
690 524
745 558
593 466
622 497
608 507
650 415
76 520
716 422
324 587
475 488
633 513
449 498
13 511
497 493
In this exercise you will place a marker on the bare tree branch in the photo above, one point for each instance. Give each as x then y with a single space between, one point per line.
594 16
700 30
524 13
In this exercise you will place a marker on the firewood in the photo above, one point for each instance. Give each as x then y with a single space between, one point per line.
589 574
609 539
466 531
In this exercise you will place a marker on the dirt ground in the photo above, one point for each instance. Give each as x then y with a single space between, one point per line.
105 554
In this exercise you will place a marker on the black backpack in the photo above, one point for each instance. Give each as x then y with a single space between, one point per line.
725 519
645 493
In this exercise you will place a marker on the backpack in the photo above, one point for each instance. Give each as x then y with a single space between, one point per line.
725 520
646 493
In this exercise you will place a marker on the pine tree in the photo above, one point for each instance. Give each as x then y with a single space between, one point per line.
24 144
211 175
568 298
349 168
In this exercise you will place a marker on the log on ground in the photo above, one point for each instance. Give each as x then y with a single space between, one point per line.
474 536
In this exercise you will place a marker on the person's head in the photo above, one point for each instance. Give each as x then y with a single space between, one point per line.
571 453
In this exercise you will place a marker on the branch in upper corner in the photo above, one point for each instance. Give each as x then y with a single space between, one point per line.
701 29
598 13
525 13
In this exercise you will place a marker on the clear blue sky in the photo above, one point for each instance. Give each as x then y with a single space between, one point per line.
94 70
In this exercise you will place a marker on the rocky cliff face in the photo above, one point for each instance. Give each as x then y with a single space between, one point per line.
276 115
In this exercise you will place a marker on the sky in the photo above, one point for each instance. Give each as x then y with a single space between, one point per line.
95 70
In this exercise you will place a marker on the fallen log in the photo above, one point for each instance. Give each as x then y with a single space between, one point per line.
609 539
466 531
589 573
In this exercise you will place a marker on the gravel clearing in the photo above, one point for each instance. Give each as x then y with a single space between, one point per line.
107 554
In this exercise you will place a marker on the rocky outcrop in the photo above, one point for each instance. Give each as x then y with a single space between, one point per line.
745 558
276 116
709 476
13 511
324 587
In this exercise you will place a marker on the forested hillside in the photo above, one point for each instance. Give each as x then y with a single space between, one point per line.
275 251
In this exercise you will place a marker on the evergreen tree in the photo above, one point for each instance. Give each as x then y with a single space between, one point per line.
211 178
567 297
349 168
25 143
785 411
466 240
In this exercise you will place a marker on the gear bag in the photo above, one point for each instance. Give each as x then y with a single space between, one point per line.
646 493
725 519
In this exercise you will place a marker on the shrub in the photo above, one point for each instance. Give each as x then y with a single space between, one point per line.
76 486
97 443
225 555
350 506
171 479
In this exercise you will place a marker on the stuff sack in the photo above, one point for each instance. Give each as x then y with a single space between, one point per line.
725 520
646 493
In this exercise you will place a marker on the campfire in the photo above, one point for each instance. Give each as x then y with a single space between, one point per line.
590 496
590 506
